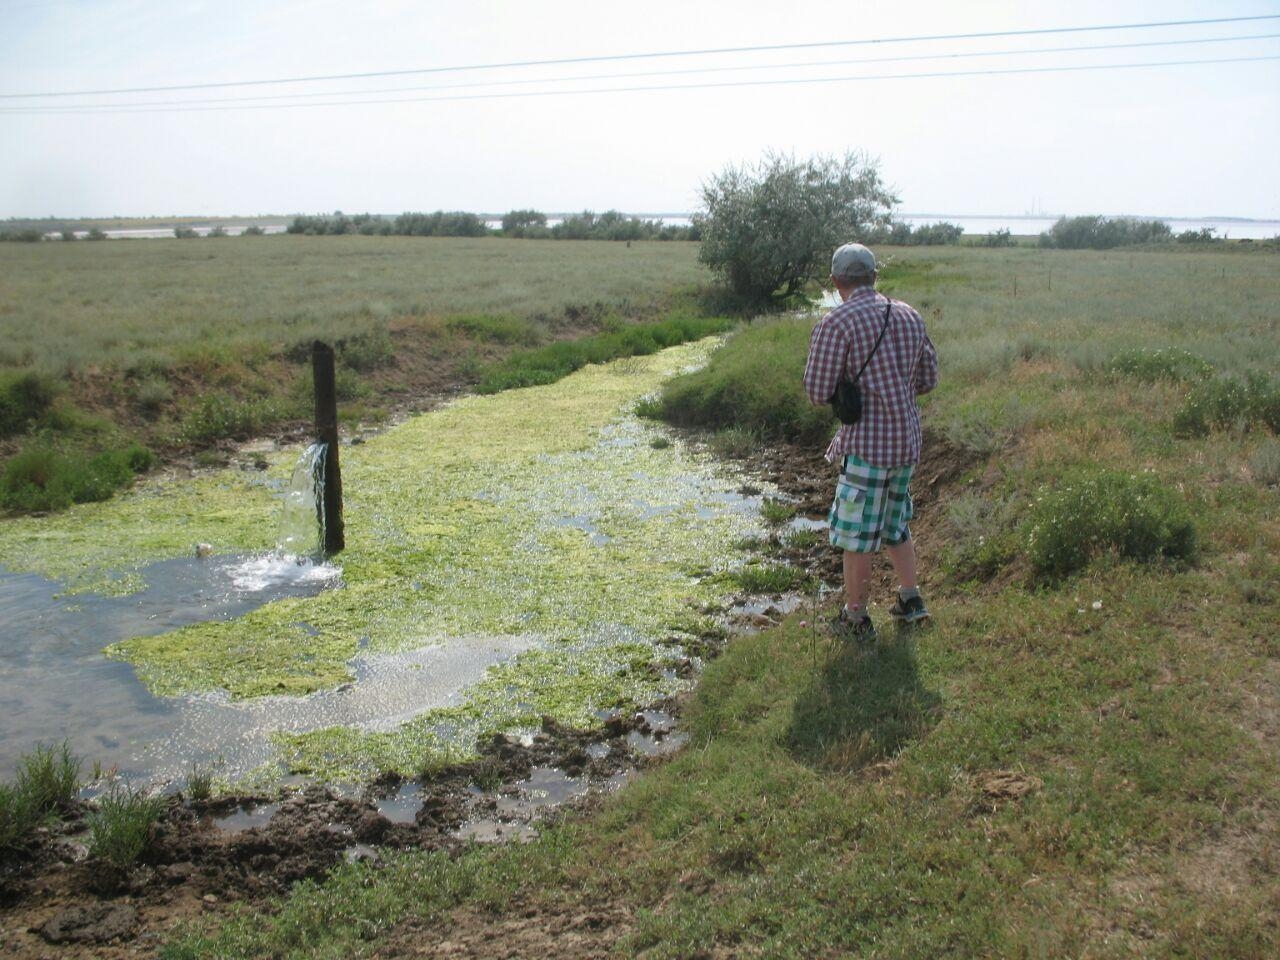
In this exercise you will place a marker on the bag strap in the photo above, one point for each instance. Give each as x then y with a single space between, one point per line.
888 307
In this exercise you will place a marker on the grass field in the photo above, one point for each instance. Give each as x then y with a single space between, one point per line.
179 346
1078 763
123 303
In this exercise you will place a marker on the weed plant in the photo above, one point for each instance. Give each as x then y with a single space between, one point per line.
120 828
1264 464
50 777
734 443
1094 511
200 783
18 817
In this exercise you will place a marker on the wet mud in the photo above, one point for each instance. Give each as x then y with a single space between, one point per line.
56 900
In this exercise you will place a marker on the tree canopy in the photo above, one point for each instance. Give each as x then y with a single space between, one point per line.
768 228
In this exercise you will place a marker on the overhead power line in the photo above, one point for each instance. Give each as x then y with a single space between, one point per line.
31 111
582 78
563 61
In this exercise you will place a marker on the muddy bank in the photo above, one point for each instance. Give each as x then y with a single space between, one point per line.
201 857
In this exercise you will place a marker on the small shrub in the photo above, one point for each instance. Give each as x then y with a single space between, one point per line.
121 827
1229 403
218 415
152 396
218 231
1001 238
1265 463
367 351
253 231
660 443
1168 363
24 399
1096 511
185 233
42 478
776 511
95 234
50 778
770 578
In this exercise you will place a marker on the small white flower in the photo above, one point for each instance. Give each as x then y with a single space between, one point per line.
1097 604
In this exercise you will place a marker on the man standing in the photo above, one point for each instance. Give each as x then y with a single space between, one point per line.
878 453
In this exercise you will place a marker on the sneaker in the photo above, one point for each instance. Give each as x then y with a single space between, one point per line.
909 611
845 627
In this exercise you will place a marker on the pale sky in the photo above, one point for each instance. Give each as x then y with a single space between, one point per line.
1177 140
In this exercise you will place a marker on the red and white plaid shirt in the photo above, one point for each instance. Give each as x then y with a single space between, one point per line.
906 364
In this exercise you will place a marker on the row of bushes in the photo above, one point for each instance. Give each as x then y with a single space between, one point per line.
32 235
1103 233
925 235
522 224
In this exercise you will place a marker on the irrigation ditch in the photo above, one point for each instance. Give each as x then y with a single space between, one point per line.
250 843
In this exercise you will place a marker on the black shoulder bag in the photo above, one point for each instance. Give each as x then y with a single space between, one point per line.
846 402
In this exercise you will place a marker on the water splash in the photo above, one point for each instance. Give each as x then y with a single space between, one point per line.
302 519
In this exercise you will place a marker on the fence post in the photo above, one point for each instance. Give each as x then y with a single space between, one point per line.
322 370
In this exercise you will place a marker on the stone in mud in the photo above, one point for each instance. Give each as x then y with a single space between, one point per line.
97 923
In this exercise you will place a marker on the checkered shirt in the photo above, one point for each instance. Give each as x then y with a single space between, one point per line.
905 365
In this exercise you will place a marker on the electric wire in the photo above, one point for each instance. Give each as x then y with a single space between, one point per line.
1041 31
795 65
653 87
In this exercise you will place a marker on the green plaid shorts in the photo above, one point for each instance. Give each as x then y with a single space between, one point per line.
872 504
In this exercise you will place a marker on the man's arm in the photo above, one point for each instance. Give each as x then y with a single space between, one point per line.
826 361
927 368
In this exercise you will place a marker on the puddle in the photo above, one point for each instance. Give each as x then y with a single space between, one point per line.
493 831
246 818
805 523
403 806
110 716
55 681
657 735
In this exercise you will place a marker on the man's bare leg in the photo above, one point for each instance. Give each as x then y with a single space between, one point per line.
903 558
857 580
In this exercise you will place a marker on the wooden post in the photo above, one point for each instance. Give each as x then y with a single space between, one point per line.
322 369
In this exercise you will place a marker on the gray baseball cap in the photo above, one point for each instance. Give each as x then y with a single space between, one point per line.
853 260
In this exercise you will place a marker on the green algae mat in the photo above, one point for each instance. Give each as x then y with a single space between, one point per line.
546 517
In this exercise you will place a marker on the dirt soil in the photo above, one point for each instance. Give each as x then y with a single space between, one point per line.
58 902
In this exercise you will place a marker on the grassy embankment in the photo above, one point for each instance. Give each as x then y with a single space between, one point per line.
1077 759
175 347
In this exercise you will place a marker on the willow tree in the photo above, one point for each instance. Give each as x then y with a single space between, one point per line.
768 228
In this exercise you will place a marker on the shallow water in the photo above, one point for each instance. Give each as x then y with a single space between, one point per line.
55 682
